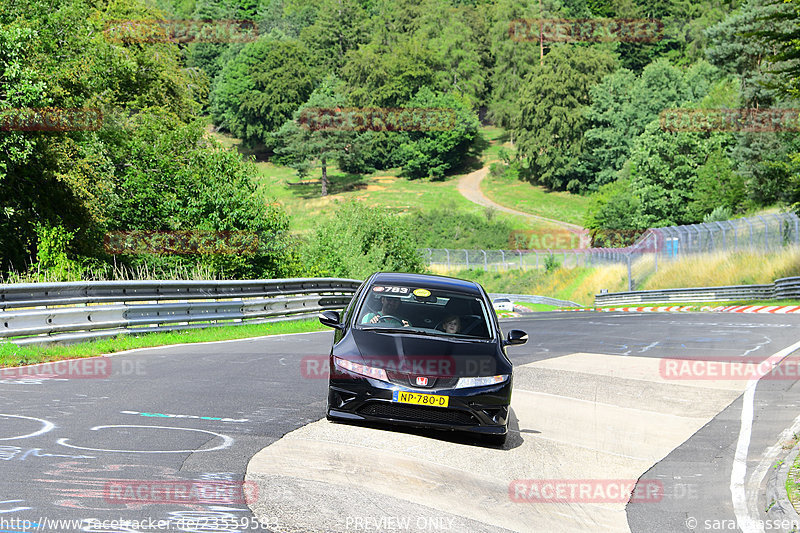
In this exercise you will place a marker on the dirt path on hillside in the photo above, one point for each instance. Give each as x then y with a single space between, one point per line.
469 186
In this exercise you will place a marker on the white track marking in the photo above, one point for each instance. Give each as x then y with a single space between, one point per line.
746 522
46 426
226 441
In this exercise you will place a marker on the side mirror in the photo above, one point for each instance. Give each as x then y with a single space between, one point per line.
330 319
516 337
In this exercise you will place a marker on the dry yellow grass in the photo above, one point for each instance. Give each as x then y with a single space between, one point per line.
611 277
731 268
706 270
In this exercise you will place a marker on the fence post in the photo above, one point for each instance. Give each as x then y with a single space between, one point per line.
751 231
503 254
447 250
766 233
699 237
485 263
466 256
796 228
681 241
735 235
630 280
655 249
724 243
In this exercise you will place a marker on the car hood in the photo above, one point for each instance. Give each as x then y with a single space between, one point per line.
426 355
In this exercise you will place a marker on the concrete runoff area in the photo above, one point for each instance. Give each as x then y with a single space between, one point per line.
581 416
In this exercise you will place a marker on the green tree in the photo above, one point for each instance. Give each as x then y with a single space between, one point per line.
307 146
553 105
340 26
783 37
740 45
175 178
764 161
434 153
378 75
613 207
717 186
358 240
515 56
261 88
664 172
457 38
623 104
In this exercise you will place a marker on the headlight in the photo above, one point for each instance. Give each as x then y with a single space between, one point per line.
361 370
481 382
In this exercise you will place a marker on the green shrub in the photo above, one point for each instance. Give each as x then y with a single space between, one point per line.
359 240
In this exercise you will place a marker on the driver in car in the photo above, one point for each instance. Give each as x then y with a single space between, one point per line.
390 305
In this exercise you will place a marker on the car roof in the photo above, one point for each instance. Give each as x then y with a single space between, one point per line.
427 281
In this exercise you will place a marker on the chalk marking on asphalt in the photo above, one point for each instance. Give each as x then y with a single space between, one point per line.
739 471
651 345
758 346
46 426
226 441
15 508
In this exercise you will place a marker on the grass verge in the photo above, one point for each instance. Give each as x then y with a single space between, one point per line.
12 355
384 189
535 199
537 307
793 480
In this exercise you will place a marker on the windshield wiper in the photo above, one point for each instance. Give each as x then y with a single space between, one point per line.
403 330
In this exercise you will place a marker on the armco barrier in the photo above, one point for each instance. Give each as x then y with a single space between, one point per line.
43 313
784 288
534 299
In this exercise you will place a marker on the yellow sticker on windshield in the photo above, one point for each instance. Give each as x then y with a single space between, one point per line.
422 293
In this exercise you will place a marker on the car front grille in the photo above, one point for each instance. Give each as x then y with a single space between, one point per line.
419 414
409 380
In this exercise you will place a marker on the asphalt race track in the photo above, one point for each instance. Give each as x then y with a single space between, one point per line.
200 437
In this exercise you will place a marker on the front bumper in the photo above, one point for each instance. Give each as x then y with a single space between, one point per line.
481 410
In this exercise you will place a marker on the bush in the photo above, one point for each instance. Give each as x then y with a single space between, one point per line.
550 263
52 263
359 240
434 153
176 179
719 214
448 228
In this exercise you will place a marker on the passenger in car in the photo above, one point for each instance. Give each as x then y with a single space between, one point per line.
451 324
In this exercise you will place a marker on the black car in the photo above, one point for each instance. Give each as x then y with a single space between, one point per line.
423 351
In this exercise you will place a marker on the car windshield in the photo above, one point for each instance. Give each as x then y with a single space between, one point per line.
419 309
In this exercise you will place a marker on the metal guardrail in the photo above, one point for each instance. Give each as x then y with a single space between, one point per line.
44 313
534 299
783 288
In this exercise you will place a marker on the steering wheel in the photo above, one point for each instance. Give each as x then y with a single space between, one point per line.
386 318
